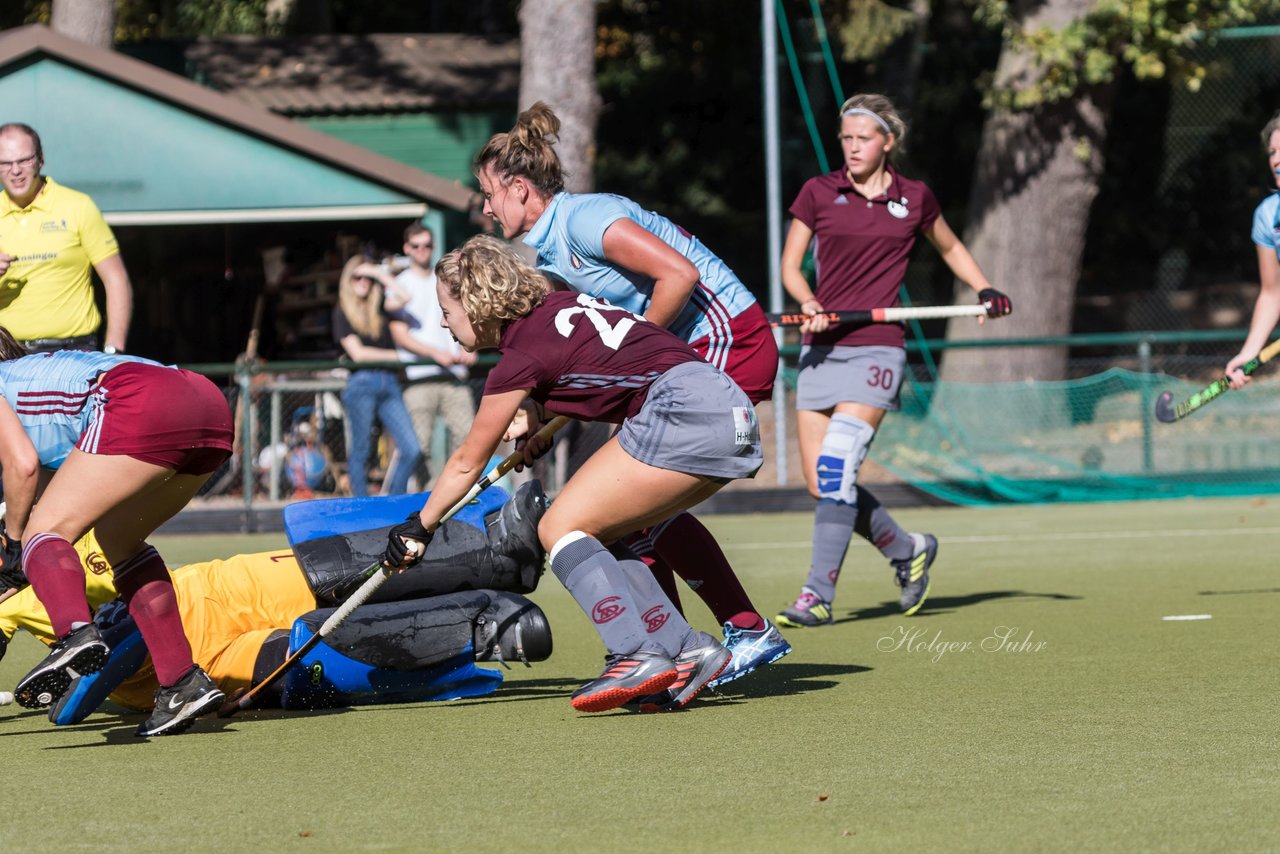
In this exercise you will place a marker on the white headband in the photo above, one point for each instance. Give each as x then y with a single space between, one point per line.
859 111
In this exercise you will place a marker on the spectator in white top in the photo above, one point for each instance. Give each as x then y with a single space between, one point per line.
439 390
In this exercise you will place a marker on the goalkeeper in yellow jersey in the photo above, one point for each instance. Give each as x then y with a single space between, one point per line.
244 615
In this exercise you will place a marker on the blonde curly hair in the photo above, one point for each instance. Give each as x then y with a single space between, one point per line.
491 281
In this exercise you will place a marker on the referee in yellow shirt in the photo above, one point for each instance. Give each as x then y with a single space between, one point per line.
49 237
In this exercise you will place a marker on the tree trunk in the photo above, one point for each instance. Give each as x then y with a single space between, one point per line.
1036 177
89 21
558 65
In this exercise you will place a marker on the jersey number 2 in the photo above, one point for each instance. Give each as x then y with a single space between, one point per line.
593 309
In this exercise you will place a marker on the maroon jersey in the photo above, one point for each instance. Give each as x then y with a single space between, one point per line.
862 247
582 357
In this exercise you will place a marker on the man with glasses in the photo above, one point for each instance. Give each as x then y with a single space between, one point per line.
49 237
438 390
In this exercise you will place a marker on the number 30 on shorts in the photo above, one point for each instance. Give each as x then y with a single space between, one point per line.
878 377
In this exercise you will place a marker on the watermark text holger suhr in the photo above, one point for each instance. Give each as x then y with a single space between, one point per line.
1003 639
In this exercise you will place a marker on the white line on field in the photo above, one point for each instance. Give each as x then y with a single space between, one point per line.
1173 617
1045 536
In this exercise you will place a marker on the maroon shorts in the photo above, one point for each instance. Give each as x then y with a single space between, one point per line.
165 416
747 352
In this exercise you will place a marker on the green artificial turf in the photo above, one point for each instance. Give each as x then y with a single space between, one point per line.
1096 725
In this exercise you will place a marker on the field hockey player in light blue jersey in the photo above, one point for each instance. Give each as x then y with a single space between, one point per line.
1266 239
609 247
119 444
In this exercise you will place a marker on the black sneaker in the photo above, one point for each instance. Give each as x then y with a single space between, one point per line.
82 651
178 706
912 574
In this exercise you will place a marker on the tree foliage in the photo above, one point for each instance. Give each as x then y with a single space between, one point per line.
871 26
1154 38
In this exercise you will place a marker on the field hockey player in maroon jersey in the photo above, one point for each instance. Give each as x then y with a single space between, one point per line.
862 221
686 430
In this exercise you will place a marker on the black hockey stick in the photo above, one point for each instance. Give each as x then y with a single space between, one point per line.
375 575
1169 412
883 315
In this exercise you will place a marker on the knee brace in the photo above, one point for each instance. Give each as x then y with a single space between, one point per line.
843 449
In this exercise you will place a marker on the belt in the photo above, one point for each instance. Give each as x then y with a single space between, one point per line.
437 378
44 345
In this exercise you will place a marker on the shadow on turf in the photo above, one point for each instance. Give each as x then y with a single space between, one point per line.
1237 592
117 730
784 678
938 605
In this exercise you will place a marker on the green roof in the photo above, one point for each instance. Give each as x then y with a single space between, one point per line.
153 147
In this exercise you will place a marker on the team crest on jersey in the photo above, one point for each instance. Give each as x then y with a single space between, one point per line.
575 262
842 199
53 225
898 209
97 563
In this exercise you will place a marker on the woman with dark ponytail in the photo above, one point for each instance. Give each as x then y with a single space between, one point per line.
610 248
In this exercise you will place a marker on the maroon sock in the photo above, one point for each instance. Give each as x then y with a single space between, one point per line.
683 544
145 586
54 570
643 547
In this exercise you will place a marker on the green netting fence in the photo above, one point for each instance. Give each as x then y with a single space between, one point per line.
1092 437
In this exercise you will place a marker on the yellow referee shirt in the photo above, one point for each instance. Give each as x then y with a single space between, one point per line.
47 291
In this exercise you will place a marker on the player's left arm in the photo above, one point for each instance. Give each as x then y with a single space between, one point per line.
956 255
21 465
629 245
961 263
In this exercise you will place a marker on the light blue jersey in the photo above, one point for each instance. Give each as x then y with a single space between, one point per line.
569 239
1266 223
56 397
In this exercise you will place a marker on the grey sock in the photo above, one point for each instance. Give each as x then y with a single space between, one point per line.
878 527
601 588
663 622
833 525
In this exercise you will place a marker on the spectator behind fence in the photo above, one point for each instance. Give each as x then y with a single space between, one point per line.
49 237
1266 239
360 326
438 390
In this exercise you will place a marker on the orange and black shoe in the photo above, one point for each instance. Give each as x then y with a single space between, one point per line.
625 678
697 664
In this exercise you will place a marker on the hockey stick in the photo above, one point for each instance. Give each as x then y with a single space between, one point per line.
375 575
1168 412
884 315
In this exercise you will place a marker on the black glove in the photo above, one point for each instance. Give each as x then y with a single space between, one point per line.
998 304
398 555
11 574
